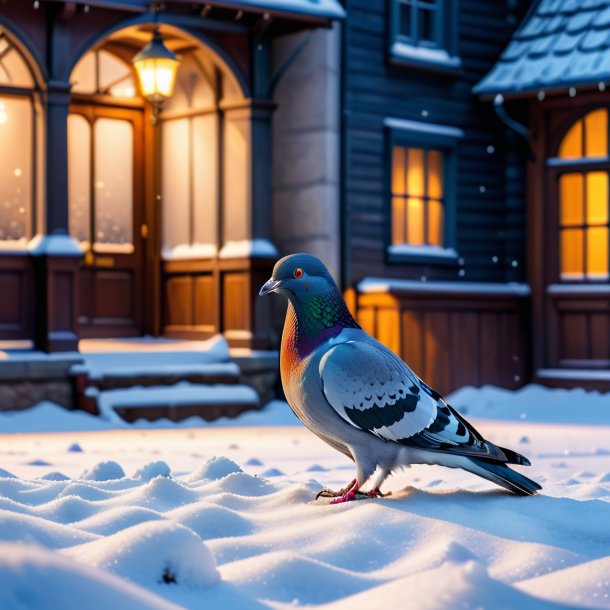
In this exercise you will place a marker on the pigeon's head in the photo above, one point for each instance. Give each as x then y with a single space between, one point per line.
299 275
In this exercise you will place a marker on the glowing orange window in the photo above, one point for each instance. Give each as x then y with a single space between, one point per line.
583 201
417 197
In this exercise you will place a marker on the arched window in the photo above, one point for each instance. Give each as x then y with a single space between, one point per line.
17 135
583 199
99 72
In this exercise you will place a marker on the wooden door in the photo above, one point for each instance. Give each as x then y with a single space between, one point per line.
106 192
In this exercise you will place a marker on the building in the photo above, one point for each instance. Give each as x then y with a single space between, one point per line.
447 158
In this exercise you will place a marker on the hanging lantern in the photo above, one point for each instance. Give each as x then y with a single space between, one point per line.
156 66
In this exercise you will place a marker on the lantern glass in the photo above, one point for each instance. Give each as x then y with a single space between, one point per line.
156 67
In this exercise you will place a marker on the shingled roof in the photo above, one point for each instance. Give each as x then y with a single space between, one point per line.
561 43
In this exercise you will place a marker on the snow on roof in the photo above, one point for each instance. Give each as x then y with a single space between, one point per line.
323 9
561 43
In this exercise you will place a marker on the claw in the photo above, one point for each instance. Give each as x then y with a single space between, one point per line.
329 493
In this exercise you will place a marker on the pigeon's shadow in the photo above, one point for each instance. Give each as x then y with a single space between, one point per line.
584 525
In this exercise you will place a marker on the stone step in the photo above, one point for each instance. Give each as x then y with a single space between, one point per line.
126 376
175 403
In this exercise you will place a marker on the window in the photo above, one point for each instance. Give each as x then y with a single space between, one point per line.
421 192
101 72
100 183
423 33
17 131
417 197
583 200
189 155
420 22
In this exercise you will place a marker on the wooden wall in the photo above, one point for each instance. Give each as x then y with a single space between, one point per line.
204 297
489 189
453 339
16 297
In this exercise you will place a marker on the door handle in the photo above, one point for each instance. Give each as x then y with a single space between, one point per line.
144 231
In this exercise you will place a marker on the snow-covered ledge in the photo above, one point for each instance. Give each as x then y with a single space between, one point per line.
371 284
188 251
258 248
408 252
54 245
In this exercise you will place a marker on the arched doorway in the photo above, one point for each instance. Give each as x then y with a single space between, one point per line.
142 196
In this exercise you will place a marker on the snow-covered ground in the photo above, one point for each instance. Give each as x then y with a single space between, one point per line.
94 517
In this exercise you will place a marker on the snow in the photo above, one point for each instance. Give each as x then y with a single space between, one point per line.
260 248
422 55
222 516
330 9
372 284
54 245
419 127
188 251
409 250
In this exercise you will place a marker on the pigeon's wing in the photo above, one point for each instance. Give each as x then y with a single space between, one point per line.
372 389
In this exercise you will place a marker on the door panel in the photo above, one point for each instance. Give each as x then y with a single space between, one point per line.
106 190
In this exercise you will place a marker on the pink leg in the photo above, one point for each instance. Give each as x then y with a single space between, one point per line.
347 496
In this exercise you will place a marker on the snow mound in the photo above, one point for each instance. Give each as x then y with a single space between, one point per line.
152 470
464 585
153 553
104 471
116 519
215 468
210 521
75 448
5 474
54 476
32 578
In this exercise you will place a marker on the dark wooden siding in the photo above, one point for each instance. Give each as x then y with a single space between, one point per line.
452 339
489 186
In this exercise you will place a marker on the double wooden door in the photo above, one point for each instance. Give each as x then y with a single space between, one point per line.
106 205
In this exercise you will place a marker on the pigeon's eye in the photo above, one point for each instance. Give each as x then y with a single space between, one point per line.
298 273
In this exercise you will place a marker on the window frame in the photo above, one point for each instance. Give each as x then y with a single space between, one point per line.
557 167
413 134
31 95
413 51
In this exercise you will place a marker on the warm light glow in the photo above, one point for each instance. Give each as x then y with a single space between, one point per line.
415 222
417 197
435 222
156 66
571 145
157 77
588 137
597 198
572 254
3 115
596 133
415 172
597 253
398 220
571 194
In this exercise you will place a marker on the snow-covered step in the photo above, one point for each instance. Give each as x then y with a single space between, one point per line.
114 376
175 402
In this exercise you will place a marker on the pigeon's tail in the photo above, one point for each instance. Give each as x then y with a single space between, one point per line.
502 475
512 457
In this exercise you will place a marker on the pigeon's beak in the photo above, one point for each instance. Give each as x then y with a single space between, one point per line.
270 285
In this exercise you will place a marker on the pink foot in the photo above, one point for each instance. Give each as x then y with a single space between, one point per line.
347 496
329 493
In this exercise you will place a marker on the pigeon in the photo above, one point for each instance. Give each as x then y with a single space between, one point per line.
363 400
